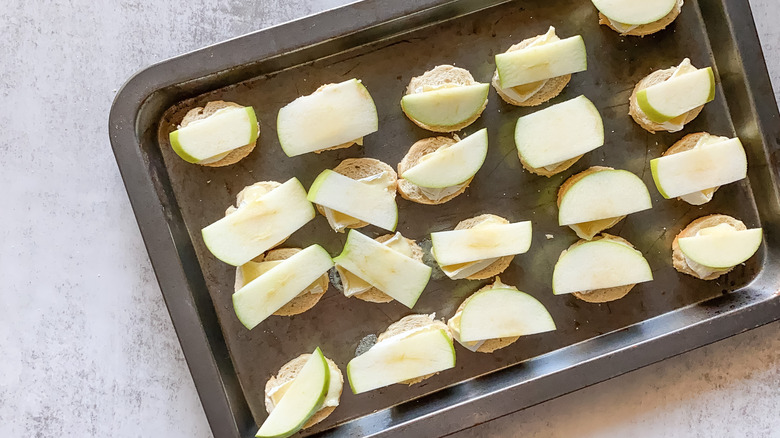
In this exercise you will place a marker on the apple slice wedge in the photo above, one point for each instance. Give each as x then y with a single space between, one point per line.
259 225
302 400
452 165
599 264
446 106
534 64
399 276
722 250
502 313
396 360
225 130
678 95
559 132
602 195
269 292
482 242
367 202
634 12
333 115
705 167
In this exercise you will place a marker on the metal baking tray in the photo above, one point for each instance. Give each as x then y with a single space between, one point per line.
385 44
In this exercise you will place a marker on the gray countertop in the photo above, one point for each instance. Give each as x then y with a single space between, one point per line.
86 343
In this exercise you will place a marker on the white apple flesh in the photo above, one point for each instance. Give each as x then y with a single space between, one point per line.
446 106
392 361
542 62
259 225
331 116
223 131
502 313
602 195
397 275
480 243
722 250
559 132
599 264
678 95
634 12
452 165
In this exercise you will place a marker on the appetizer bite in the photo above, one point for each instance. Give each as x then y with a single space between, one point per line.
335 116
382 270
219 134
600 270
666 100
637 18
265 215
437 169
481 247
598 198
496 316
537 69
286 285
409 351
444 99
696 166
553 139
713 245
305 391
357 192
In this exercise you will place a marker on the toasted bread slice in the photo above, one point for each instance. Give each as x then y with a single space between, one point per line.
342 145
288 372
357 168
303 302
412 323
685 144
649 28
437 77
256 189
551 88
610 293
499 265
201 113
426 146
489 345
639 116
570 182
678 258
375 295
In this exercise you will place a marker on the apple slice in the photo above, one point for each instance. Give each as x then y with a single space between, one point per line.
302 400
678 95
446 106
538 63
333 115
480 243
721 250
708 166
559 132
602 195
599 264
635 12
396 360
399 276
259 225
367 202
269 292
503 313
452 165
223 131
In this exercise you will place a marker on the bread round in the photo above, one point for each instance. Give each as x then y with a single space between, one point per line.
686 144
649 28
606 294
639 116
489 345
409 323
289 371
541 171
499 265
437 77
338 146
357 168
409 190
678 258
572 180
201 113
375 295
551 88
259 188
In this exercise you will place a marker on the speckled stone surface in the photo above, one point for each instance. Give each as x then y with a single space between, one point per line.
86 344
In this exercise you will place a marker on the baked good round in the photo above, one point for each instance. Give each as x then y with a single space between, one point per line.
569 183
375 295
640 117
649 28
201 113
680 262
421 148
606 294
499 265
489 345
409 324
